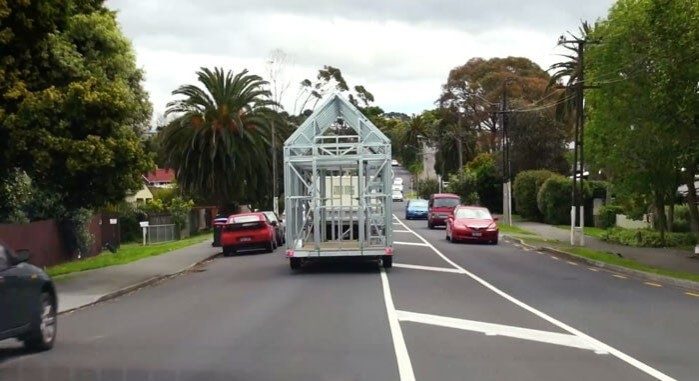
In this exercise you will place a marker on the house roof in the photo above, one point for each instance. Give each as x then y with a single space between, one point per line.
160 175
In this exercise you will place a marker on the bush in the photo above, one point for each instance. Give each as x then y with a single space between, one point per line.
426 188
607 215
464 184
682 219
554 199
525 190
647 238
488 181
76 231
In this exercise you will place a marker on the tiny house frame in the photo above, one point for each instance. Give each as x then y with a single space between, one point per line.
337 186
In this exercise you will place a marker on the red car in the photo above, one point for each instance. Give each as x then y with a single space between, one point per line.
440 207
472 223
248 231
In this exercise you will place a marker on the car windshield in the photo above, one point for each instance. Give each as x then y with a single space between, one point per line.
444 202
473 213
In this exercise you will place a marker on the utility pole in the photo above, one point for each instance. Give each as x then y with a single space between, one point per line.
577 209
506 165
275 198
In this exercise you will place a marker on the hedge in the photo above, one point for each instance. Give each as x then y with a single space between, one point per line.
525 191
647 238
554 199
607 215
426 188
598 188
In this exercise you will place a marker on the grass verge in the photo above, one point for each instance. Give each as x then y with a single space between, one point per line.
513 230
127 253
591 231
608 258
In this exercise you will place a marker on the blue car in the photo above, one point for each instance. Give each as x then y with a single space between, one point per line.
416 209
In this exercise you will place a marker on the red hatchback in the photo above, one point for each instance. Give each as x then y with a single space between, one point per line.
248 231
472 223
440 207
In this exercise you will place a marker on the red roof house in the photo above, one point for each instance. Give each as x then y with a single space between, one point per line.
161 177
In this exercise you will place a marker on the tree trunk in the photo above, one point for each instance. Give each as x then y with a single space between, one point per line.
662 220
670 215
692 203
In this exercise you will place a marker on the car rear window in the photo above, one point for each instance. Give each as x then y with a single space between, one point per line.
245 219
271 216
445 202
480 214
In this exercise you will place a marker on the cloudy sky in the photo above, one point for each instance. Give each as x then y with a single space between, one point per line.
400 50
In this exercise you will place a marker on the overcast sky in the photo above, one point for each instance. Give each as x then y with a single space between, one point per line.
400 50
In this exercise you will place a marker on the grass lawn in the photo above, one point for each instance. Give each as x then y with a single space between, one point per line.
512 229
127 253
591 231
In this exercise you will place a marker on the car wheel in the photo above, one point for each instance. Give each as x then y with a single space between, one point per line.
270 246
295 263
446 235
228 251
387 261
430 225
494 242
44 325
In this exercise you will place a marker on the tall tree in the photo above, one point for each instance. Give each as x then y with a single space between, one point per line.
218 143
644 120
71 101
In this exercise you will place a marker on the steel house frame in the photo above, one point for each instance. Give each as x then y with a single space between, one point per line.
337 184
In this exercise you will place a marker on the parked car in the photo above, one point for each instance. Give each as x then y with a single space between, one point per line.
416 209
28 303
472 223
247 231
279 228
394 163
397 195
398 187
398 180
440 206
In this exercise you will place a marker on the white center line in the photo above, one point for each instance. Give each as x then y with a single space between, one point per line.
405 367
600 346
428 268
402 231
408 243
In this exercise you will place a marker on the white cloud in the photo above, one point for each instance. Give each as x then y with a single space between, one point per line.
399 51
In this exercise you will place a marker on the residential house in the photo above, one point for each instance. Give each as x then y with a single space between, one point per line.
160 178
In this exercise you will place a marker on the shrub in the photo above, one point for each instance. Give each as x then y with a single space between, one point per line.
525 190
554 199
598 188
464 184
681 221
607 215
488 181
425 188
647 238
76 231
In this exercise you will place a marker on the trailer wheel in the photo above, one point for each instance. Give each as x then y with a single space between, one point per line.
295 263
387 261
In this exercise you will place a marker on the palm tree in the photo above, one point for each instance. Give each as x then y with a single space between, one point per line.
566 74
219 142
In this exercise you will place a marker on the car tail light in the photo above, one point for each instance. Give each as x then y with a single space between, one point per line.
388 251
289 253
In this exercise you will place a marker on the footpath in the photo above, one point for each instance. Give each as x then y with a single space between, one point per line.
666 258
87 287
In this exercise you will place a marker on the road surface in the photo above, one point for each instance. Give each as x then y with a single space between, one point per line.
444 312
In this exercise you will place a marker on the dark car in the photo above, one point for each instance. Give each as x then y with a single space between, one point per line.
416 209
440 206
279 228
28 303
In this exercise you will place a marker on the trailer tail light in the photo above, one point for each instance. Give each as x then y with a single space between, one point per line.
289 253
388 251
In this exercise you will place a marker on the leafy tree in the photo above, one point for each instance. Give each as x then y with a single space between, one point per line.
644 118
328 80
465 184
71 101
488 181
218 144
526 189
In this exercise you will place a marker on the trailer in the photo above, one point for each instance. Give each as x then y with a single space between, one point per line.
337 187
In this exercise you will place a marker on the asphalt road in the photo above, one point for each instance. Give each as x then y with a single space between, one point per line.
444 312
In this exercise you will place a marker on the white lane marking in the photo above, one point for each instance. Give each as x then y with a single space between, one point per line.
692 294
405 367
402 231
653 284
492 329
408 243
556 258
619 276
428 268
572 263
592 269
602 347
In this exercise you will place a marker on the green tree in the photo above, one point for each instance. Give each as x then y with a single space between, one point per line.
71 101
644 118
218 143
488 181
